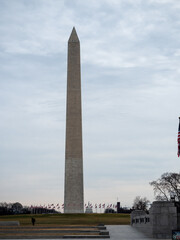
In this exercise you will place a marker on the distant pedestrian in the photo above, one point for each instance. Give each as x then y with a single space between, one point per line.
33 220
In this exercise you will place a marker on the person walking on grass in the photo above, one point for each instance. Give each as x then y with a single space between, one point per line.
33 220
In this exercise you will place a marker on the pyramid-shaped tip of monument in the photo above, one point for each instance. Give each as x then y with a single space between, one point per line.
73 37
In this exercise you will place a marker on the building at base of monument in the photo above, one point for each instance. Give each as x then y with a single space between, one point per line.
163 217
89 210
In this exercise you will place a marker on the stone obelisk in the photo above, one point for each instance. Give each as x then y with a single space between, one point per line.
74 190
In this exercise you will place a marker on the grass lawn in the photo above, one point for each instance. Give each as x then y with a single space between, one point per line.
70 219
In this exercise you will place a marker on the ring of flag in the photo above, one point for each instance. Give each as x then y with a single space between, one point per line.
178 139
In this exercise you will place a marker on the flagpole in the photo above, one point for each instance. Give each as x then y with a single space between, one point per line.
178 139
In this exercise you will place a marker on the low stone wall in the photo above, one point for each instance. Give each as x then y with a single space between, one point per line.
141 220
9 223
163 217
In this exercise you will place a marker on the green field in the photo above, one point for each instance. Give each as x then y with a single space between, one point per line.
69 219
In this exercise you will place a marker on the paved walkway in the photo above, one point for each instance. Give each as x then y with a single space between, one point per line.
126 232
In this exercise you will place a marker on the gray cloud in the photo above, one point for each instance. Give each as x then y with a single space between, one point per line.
130 82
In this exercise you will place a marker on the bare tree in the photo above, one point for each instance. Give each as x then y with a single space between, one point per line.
8 205
141 203
3 204
166 185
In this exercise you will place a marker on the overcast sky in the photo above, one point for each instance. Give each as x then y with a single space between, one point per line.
130 57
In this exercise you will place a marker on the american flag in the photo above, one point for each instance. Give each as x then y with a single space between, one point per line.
178 139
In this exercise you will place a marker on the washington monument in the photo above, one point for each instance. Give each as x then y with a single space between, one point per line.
74 189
